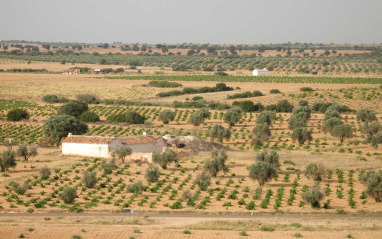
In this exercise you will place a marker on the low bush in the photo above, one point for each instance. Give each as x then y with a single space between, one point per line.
68 194
164 84
89 116
17 115
89 179
306 89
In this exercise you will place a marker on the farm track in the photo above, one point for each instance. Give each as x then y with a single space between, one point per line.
194 215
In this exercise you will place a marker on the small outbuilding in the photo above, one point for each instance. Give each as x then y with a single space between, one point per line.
258 72
71 72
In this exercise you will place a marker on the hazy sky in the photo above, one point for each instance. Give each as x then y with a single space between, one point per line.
196 21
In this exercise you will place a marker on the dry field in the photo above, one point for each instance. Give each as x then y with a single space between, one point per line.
228 193
146 226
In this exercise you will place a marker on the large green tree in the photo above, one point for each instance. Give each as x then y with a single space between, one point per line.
60 126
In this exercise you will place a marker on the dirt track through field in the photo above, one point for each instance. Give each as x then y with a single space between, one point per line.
193 215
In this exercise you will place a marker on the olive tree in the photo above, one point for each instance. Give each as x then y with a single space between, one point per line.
122 152
164 158
217 163
166 116
376 140
313 196
302 135
269 157
371 129
342 131
262 172
298 120
196 118
315 171
26 151
366 115
7 160
330 123
89 179
219 132
266 117
260 133
203 180
232 116
68 194
152 173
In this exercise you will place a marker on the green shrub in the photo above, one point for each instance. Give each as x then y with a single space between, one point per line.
17 115
88 98
203 180
45 173
152 173
243 233
135 188
306 89
267 228
68 194
51 99
164 84
274 91
89 179
186 232
313 196
89 116
73 108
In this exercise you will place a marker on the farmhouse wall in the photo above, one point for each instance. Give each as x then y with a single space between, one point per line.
91 150
148 148
114 144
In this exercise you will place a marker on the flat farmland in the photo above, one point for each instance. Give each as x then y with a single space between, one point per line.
231 193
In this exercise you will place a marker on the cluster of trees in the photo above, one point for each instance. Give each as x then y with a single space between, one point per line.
298 123
212 167
164 84
8 156
333 124
265 167
198 117
373 181
371 127
246 94
261 132
130 117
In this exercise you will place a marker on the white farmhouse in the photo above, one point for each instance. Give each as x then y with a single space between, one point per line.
92 146
257 72
142 146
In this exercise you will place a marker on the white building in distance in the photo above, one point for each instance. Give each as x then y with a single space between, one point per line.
142 146
262 72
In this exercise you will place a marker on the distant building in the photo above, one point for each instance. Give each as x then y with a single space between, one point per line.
142 146
260 72
71 72
98 71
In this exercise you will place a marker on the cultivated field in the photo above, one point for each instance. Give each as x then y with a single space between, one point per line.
350 209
